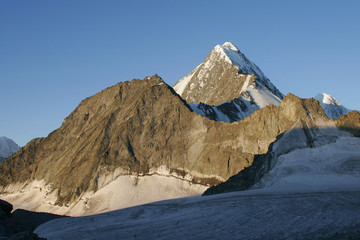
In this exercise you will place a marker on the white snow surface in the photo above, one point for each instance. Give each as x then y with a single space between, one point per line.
311 193
115 191
332 108
7 147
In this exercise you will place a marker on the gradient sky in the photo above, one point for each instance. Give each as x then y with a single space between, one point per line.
53 54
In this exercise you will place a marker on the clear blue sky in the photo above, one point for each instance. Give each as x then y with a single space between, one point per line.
53 54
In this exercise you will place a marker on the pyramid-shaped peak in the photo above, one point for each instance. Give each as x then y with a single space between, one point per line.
225 74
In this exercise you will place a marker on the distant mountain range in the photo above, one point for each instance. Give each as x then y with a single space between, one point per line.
142 140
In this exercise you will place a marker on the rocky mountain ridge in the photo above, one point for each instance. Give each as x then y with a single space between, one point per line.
141 128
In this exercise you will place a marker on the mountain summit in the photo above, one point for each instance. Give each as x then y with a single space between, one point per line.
227 86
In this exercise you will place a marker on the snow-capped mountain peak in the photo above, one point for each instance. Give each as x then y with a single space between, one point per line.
331 106
227 86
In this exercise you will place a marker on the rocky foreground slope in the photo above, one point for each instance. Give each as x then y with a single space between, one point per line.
115 140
